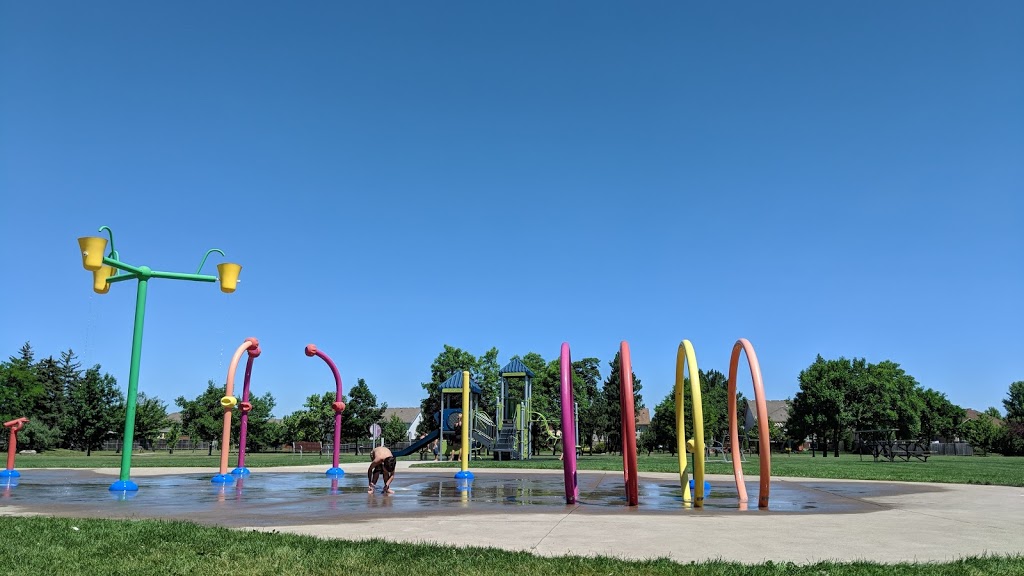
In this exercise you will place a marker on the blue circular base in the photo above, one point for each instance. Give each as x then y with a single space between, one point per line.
222 479
9 473
464 474
240 472
707 487
124 486
335 472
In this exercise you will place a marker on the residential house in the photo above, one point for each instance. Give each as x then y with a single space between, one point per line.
411 417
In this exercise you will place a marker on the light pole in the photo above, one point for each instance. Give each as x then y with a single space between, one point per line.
105 271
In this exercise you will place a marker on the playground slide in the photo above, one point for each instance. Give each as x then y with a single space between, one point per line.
419 444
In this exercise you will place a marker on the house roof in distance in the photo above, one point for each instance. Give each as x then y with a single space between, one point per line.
406 415
778 410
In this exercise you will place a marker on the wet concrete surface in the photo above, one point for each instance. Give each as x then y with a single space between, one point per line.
295 498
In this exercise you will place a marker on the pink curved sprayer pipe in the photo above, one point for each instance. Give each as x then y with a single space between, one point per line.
572 491
311 350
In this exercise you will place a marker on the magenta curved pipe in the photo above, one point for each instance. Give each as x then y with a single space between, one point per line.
629 465
764 448
572 489
246 406
338 404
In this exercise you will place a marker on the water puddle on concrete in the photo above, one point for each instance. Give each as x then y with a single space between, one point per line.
286 498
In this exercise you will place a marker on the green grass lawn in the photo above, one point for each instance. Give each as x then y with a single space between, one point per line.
98 547
997 470
1008 471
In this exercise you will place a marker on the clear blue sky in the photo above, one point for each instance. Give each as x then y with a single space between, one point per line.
843 179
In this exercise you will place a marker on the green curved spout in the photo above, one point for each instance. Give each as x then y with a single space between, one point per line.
208 252
111 234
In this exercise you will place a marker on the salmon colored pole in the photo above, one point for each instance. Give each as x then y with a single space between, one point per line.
245 406
464 473
762 423
229 402
338 406
629 465
12 447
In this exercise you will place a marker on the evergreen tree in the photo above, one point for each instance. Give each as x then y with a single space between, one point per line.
20 389
612 405
95 406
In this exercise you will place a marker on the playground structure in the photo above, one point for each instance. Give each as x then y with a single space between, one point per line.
229 402
516 420
107 268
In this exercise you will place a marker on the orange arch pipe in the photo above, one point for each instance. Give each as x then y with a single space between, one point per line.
762 423
229 401
629 466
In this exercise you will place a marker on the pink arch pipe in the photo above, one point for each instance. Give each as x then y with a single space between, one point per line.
245 406
762 423
629 466
572 490
338 406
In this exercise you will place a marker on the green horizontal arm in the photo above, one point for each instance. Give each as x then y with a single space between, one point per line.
183 276
121 265
121 278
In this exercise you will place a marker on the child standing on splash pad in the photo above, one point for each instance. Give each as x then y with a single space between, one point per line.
382 462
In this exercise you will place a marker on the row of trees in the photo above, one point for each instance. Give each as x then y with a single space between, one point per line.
841 396
69 407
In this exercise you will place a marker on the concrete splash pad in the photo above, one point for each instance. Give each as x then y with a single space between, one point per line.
808 519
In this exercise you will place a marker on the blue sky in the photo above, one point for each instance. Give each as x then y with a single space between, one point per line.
820 178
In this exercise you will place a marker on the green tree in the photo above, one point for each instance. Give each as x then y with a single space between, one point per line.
489 378
20 389
612 406
395 431
586 392
95 404
203 416
983 433
150 419
261 433
940 418
361 410
663 423
174 435
819 408
315 422
1014 402
38 436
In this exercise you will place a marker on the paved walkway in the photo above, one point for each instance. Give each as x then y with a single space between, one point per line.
876 521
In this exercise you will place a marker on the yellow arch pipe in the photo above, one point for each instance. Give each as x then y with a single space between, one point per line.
229 402
764 446
686 356
466 422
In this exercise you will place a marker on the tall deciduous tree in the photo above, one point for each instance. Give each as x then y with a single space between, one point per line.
940 418
315 422
150 419
261 433
1014 402
394 431
203 416
361 410
95 406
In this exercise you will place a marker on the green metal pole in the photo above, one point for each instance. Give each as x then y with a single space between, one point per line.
124 484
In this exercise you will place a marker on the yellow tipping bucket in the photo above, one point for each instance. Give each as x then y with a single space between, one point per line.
93 248
228 273
99 279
